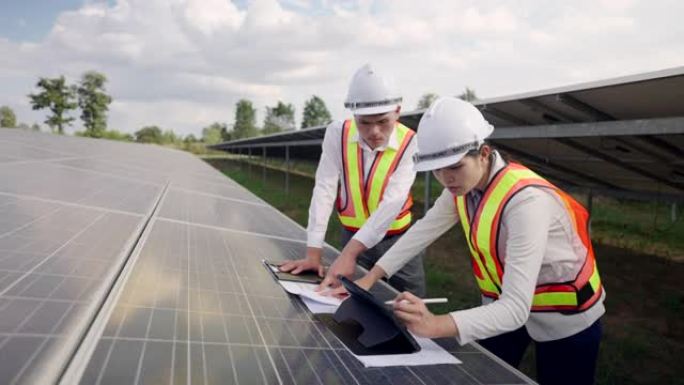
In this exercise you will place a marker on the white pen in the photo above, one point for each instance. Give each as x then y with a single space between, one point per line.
425 300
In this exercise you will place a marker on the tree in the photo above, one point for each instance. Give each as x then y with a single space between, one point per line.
35 127
226 135
190 138
7 117
245 120
426 100
169 137
149 134
213 134
315 113
59 98
468 95
279 118
93 102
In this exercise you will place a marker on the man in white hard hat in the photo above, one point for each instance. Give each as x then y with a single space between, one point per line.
366 173
529 246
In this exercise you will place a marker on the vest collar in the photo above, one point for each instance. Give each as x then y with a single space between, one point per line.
497 164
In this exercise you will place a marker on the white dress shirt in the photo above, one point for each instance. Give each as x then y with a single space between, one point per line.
537 244
330 172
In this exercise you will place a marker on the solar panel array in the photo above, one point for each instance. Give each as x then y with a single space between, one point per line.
133 264
622 137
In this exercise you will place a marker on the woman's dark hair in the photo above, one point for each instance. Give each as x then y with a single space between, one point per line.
505 155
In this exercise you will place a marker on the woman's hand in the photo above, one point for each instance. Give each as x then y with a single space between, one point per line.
419 320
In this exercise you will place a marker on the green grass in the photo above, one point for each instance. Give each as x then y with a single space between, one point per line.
639 226
643 329
636 226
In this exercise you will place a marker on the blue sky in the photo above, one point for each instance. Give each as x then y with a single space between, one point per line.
30 20
183 64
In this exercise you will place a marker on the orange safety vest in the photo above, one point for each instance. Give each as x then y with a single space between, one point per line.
362 199
573 296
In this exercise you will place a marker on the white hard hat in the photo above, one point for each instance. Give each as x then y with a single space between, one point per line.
447 131
370 93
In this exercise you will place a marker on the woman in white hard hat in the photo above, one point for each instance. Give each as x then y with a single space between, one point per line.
530 249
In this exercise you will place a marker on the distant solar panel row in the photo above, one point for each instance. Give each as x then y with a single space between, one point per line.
164 253
622 137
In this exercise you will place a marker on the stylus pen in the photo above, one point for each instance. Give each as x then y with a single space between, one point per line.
425 300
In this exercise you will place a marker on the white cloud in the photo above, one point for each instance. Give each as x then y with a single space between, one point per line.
183 64
209 16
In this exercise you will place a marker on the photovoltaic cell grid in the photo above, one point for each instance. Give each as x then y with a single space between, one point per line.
197 307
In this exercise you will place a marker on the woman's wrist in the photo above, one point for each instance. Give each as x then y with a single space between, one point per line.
445 326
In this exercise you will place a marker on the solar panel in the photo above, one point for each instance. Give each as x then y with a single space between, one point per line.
133 264
622 137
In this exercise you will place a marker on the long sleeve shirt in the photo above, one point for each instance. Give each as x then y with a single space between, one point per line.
330 173
537 245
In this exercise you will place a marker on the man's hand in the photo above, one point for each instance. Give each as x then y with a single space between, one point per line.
344 265
366 282
311 262
419 320
338 292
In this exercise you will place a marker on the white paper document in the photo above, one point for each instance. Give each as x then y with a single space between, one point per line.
429 354
307 290
318 307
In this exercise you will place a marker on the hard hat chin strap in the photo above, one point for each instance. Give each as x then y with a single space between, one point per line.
448 152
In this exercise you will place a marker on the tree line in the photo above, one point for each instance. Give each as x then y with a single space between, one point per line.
89 96
278 118
281 117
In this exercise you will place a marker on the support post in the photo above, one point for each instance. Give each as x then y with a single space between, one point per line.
673 212
263 165
427 192
287 170
249 162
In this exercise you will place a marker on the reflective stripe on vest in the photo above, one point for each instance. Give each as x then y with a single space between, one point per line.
572 296
361 200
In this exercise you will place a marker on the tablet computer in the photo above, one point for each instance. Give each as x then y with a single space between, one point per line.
385 320
304 276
